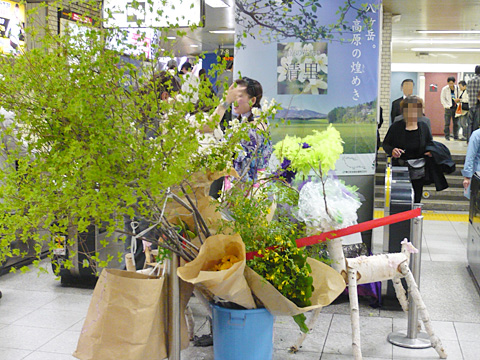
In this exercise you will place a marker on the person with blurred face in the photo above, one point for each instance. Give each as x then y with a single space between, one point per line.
449 99
407 89
245 94
406 142
462 118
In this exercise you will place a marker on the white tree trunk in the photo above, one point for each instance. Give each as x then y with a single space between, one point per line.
354 313
377 267
335 250
400 292
310 323
422 310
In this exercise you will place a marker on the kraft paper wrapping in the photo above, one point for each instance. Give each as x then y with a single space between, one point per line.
328 284
127 318
207 208
229 285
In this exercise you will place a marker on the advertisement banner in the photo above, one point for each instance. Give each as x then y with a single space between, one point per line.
320 60
12 27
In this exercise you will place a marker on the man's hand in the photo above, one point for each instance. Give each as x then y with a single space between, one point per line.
466 182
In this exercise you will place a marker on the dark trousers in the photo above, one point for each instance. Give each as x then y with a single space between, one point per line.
417 190
450 114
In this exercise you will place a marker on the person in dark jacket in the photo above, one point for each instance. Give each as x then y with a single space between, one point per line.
406 142
407 89
473 119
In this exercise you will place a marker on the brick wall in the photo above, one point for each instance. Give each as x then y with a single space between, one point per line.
385 71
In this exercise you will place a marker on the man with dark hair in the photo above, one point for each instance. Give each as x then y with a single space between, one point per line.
449 99
473 87
407 89
462 117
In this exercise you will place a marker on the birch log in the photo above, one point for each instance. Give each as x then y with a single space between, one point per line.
354 313
400 292
422 310
377 267
335 250
310 323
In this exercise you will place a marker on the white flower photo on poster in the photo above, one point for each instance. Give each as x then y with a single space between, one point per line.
302 68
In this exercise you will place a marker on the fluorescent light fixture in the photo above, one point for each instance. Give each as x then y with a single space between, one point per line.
448 31
194 45
447 50
171 37
216 3
444 41
222 31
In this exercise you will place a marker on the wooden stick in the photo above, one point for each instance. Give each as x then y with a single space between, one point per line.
310 323
422 310
400 292
354 313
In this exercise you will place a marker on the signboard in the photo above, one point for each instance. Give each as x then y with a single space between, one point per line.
128 13
12 25
326 73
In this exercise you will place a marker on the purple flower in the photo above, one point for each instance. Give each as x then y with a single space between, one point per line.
287 175
305 146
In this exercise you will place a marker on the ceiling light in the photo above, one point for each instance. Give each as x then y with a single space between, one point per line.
222 31
216 3
171 37
194 45
445 41
448 31
445 50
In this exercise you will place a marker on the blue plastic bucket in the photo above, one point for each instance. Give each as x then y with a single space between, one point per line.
242 334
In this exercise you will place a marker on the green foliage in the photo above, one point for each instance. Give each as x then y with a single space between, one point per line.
318 151
286 268
94 138
281 262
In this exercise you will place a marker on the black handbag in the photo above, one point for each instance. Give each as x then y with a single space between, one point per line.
416 168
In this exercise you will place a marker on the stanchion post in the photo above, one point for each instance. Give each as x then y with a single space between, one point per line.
413 339
174 346
415 263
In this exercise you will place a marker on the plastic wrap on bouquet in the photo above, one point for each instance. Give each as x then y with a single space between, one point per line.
341 202
229 285
328 285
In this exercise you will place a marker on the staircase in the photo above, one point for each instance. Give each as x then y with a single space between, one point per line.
450 199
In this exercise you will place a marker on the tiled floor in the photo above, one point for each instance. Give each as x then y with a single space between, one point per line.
41 320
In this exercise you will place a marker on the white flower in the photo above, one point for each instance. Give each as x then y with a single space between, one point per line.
322 61
313 86
282 70
256 111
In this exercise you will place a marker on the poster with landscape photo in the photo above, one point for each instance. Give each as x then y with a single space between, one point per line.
326 73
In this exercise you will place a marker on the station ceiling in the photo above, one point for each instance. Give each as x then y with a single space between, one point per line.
410 16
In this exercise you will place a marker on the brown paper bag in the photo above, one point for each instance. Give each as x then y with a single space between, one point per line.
127 318
229 285
328 284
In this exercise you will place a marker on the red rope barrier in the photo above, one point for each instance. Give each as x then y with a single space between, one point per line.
367 225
